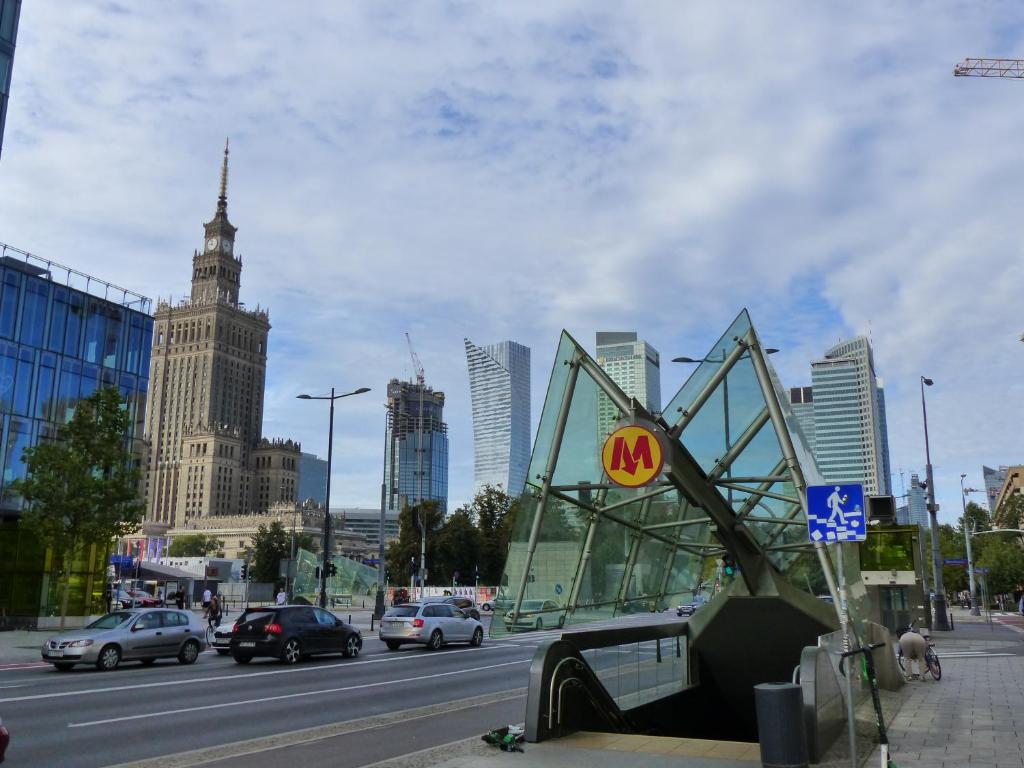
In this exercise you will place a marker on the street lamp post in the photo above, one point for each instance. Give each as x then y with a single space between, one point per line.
940 618
968 531
327 506
378 606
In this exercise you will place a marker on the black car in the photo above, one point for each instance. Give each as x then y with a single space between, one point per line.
292 632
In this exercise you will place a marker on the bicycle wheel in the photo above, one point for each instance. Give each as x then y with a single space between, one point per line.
933 665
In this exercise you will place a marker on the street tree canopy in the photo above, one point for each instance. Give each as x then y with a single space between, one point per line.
270 545
195 545
82 488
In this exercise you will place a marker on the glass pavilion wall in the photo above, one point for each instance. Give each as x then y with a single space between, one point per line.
584 549
352 581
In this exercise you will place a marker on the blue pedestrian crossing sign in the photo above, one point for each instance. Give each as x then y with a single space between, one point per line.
836 513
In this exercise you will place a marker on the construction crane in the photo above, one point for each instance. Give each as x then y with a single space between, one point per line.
417 366
1009 68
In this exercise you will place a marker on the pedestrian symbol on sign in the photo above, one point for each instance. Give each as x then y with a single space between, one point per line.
836 513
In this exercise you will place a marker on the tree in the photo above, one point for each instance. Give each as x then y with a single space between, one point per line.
458 549
493 510
195 545
1004 558
979 516
401 553
308 542
270 545
82 489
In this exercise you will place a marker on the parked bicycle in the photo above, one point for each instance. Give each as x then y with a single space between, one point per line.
931 659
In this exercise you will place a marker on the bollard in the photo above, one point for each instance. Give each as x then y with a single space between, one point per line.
950 621
780 725
350 618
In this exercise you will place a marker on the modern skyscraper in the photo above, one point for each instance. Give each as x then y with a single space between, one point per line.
801 401
312 478
850 444
63 335
635 367
416 451
499 387
994 479
883 431
207 455
10 11
917 503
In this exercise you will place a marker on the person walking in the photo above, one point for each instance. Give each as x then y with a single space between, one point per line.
207 594
282 596
1020 605
179 598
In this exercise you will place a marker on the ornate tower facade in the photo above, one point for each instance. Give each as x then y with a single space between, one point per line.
207 371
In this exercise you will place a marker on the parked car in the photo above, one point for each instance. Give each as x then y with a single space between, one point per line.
292 632
466 604
429 624
686 609
142 634
401 595
220 639
536 614
5 739
135 598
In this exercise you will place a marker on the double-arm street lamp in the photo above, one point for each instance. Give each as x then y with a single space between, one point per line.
327 506
940 618
968 532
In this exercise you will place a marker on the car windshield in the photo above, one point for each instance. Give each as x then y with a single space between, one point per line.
403 610
533 605
111 620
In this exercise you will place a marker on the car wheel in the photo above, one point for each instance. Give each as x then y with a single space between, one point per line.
189 652
240 659
539 624
561 621
392 645
147 662
478 638
223 651
291 652
436 640
109 658
63 666
352 646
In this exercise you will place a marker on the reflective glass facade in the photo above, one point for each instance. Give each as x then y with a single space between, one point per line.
312 478
416 446
499 386
583 548
10 10
59 343
353 579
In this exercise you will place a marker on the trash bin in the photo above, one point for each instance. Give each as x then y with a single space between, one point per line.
780 725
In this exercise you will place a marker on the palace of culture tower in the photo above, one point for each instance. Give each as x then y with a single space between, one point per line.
206 453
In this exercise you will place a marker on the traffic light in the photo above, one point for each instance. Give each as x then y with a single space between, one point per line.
728 564
245 571
332 569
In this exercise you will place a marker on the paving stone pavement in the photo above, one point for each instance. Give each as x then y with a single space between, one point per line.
972 718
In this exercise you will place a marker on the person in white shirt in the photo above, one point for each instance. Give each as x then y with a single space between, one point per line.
282 597
207 595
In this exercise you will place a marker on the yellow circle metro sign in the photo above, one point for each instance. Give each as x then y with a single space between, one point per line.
632 456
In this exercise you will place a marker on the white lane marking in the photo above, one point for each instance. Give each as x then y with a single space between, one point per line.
20 685
293 695
972 655
196 680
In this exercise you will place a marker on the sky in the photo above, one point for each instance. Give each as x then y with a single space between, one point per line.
504 171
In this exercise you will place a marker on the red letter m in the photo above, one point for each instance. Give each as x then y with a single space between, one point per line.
627 461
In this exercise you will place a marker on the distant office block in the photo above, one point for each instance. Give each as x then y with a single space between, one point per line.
10 10
994 479
312 478
499 387
801 401
635 367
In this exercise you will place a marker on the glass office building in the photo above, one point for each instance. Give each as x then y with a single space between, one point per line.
312 479
416 446
499 387
635 367
63 335
994 480
10 10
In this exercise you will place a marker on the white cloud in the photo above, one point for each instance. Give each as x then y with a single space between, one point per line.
451 169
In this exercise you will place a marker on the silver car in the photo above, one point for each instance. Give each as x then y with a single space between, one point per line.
429 624
144 634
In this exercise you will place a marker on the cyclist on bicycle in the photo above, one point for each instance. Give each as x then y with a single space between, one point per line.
914 647
214 612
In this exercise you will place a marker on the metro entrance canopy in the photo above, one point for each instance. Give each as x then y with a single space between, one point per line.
640 514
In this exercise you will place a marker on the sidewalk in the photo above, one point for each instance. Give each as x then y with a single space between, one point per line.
972 718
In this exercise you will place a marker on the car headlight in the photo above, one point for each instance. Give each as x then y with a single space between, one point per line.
80 643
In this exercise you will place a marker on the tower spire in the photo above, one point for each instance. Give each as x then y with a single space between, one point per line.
222 201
